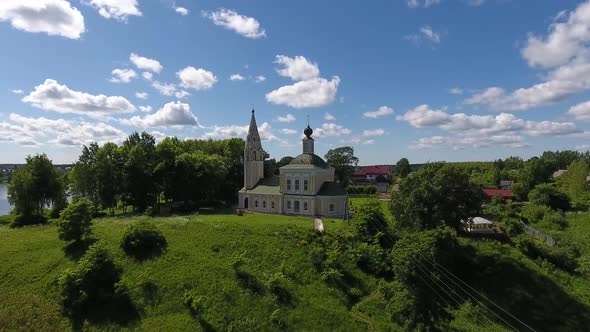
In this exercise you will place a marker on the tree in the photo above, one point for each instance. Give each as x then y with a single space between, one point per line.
547 194
344 162
34 187
369 220
436 195
139 185
403 167
573 183
75 221
284 161
271 168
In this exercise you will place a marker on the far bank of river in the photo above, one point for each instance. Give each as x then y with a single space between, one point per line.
4 206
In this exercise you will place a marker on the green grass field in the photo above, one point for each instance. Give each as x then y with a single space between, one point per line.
199 256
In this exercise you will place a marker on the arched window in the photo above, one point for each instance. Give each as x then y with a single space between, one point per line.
296 206
264 204
288 184
305 206
332 208
289 205
304 184
296 184
272 204
256 203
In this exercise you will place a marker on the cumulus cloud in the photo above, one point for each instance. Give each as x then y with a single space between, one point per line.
331 129
237 77
196 78
181 94
374 132
580 112
145 64
259 79
122 75
52 96
329 117
315 92
164 88
564 52
287 118
482 130
181 10
221 132
141 95
246 26
53 17
119 10
456 91
426 34
29 131
297 68
17 91
172 114
288 131
147 75
145 109
381 112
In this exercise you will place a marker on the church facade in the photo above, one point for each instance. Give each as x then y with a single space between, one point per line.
304 187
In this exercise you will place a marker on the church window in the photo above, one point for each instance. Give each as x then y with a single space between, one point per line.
304 184
264 204
272 204
289 184
256 203
305 206
296 206
296 184
289 205
332 208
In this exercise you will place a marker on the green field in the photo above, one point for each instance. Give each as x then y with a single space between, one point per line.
199 256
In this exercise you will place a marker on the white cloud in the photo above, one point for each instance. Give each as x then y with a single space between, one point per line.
147 75
237 77
181 10
122 75
297 68
287 131
426 33
287 118
421 3
329 117
164 88
221 132
198 79
145 64
28 131
117 9
375 132
259 79
583 147
475 3
172 114
456 91
54 17
369 141
17 91
145 109
181 94
330 130
580 112
461 142
381 112
141 95
315 92
246 26
52 96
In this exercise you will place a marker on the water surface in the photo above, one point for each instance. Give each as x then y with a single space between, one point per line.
4 206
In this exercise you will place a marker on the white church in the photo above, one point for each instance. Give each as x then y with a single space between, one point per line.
304 187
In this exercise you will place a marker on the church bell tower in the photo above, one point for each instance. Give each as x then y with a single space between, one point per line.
254 156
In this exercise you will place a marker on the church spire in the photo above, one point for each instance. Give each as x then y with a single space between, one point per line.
253 139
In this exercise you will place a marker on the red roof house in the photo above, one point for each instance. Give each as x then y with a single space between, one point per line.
498 192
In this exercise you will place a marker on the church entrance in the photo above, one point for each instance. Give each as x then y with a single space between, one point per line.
246 203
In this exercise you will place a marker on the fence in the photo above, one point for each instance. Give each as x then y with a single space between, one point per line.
538 234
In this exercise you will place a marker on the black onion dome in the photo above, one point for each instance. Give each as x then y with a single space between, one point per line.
308 131
309 159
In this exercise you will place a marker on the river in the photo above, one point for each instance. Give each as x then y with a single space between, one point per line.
4 206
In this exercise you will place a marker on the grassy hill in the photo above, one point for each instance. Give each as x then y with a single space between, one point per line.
200 252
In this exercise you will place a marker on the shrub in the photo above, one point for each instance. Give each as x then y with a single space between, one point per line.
195 304
554 220
547 194
362 190
534 213
28 219
369 220
563 255
143 240
92 289
277 285
75 222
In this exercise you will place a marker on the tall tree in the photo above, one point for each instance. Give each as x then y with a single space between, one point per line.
138 180
436 195
344 162
575 185
402 167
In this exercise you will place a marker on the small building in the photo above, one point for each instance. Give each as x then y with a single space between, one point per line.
371 174
506 193
506 184
479 225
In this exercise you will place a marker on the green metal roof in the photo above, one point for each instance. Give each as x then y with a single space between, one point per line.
331 189
307 160
266 186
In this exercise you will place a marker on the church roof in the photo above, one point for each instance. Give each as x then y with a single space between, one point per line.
266 186
331 189
307 160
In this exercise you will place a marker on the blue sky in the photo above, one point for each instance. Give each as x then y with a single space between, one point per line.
423 79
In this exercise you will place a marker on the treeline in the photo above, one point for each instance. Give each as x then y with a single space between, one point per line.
142 174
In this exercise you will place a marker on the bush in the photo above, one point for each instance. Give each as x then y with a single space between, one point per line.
75 222
277 285
28 219
362 190
195 304
547 194
534 213
369 220
92 289
143 240
563 255
554 221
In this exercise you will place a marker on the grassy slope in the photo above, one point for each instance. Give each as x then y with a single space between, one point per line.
199 257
